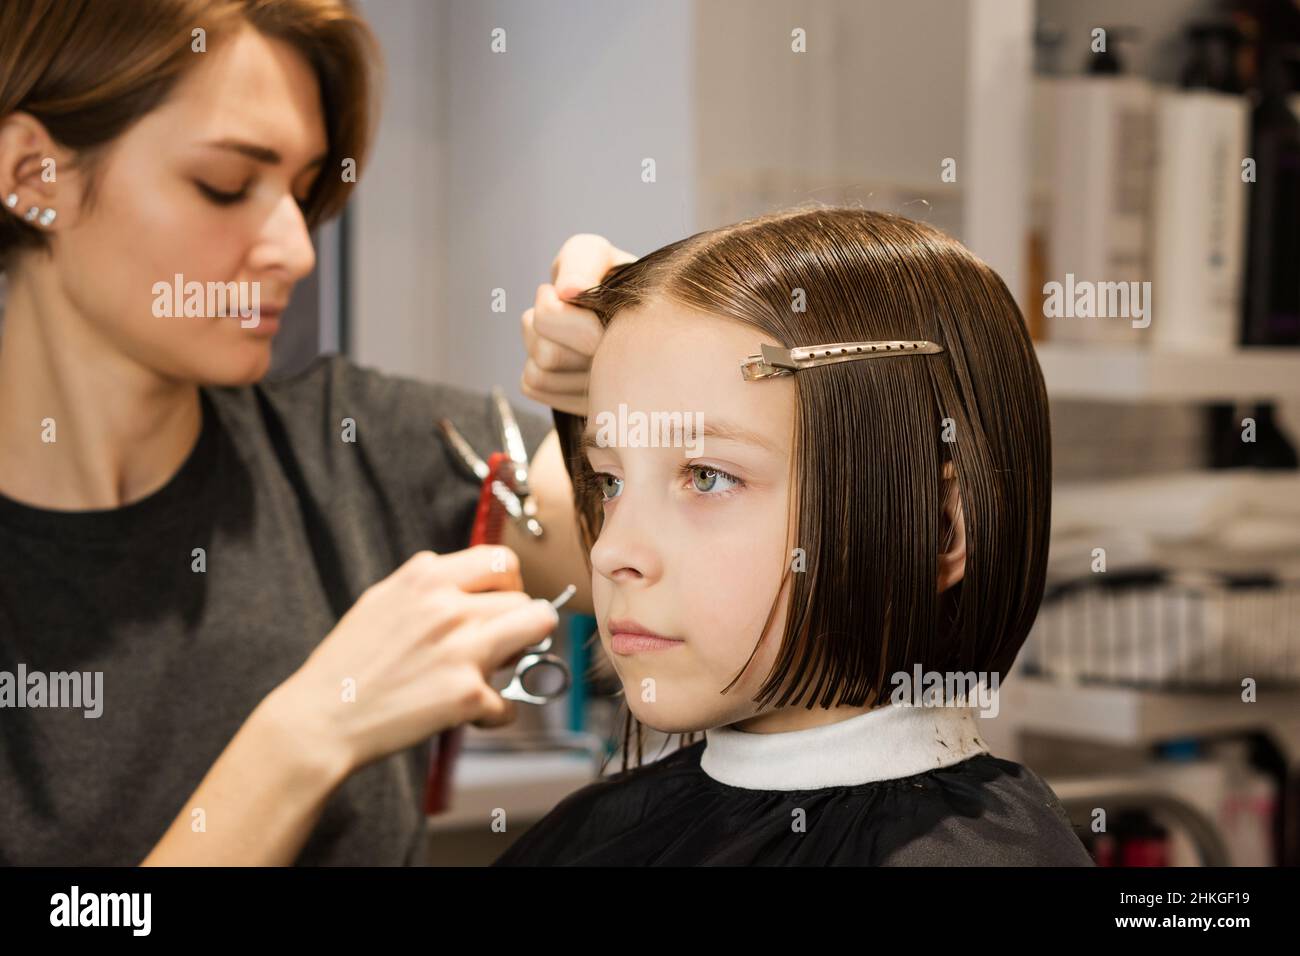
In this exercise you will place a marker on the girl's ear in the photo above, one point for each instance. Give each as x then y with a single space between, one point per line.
952 560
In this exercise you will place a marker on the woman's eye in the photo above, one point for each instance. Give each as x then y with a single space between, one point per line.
219 197
708 480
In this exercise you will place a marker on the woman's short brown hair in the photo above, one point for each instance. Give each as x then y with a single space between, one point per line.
872 439
89 69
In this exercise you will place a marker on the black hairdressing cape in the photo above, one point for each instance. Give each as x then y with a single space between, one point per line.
897 786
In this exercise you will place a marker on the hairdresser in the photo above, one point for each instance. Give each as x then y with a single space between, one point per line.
267 579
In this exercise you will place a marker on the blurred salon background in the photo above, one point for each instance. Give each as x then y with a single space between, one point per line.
1160 683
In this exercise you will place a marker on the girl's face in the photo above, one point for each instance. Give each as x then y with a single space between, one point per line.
207 186
693 545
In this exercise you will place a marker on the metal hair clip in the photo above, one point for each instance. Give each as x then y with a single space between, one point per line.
775 360
516 496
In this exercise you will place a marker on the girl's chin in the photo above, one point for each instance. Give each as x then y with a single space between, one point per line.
666 721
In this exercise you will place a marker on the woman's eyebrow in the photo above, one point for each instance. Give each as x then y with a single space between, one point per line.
721 430
263 154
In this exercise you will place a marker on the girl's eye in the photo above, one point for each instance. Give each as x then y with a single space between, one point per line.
219 197
601 482
712 481
705 480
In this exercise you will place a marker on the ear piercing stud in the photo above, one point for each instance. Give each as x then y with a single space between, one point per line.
34 214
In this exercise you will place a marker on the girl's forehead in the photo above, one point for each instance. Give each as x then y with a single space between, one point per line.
664 331
674 359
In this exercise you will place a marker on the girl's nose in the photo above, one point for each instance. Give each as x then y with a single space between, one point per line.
626 550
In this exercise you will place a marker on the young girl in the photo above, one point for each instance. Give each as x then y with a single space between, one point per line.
807 534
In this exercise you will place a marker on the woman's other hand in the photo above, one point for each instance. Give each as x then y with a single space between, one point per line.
562 338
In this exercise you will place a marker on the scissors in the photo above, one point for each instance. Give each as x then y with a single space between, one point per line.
504 492
539 658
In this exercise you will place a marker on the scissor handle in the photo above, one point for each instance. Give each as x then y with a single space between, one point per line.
515 690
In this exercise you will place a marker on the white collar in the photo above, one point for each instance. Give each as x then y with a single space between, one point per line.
896 740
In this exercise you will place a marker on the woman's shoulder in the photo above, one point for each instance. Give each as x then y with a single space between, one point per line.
361 450
339 419
336 387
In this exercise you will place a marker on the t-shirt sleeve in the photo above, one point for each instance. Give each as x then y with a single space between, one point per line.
401 446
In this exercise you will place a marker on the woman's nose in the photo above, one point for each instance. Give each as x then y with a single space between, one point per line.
285 243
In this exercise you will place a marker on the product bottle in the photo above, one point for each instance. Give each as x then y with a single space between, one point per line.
1272 293
1249 806
1199 199
1101 201
1047 44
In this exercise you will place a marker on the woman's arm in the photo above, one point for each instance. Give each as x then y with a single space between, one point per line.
555 560
260 800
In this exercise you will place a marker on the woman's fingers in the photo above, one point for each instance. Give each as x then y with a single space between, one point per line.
497 712
505 637
508 634
583 261
560 337
570 387
550 355
563 323
483 567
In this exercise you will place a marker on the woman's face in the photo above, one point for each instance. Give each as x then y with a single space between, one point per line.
693 545
206 186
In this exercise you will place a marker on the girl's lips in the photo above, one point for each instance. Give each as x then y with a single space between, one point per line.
623 643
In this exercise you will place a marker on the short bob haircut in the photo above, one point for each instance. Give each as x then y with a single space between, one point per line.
88 69
871 442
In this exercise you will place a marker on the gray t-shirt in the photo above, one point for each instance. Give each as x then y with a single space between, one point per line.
294 523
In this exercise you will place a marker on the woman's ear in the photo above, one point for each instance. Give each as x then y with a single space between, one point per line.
952 559
33 171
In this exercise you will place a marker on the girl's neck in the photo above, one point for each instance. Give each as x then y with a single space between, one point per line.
783 719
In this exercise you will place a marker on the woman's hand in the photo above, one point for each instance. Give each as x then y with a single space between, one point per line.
409 659
561 338
413 656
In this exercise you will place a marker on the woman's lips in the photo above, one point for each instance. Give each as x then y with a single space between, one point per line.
629 637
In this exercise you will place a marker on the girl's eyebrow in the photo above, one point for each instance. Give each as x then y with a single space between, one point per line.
721 430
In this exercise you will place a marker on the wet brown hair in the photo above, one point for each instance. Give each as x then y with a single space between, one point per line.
869 449
89 69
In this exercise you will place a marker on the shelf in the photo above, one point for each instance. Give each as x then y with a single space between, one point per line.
1134 717
526 785
1126 374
